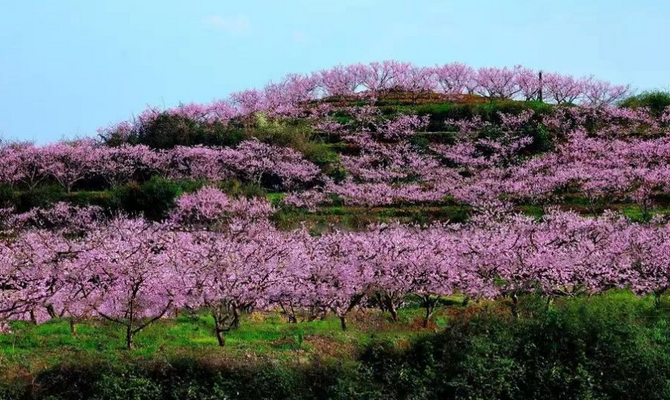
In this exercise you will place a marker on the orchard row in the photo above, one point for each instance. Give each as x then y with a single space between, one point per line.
222 255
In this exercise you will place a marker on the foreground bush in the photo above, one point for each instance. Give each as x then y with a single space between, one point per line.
604 348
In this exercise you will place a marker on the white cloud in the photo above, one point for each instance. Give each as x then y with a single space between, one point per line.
237 25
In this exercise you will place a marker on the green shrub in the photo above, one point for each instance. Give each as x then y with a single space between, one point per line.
154 198
613 347
9 196
290 132
236 188
657 101
167 131
102 199
129 387
184 379
319 153
298 135
190 185
420 142
41 196
12 392
335 171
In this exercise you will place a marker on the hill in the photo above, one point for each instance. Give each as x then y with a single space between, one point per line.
368 231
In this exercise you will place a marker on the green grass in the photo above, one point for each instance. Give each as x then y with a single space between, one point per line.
275 198
35 347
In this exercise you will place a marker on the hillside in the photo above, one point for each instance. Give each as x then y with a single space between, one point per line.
369 231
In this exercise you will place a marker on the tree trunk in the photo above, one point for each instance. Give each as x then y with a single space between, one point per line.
426 318
392 309
218 330
289 311
430 309
51 311
515 306
236 318
220 337
387 303
343 323
394 314
129 337
73 327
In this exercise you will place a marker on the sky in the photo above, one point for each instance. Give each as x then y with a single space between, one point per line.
68 67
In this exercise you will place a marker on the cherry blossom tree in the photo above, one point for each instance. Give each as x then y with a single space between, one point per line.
69 163
130 263
455 78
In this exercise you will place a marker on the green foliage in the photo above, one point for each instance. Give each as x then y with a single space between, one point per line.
167 131
297 134
319 153
420 142
610 347
335 171
183 379
542 141
154 198
291 132
40 196
488 111
237 188
118 198
190 185
92 198
9 196
354 218
657 101
275 198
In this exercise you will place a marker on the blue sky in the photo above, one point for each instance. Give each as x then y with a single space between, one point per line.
68 67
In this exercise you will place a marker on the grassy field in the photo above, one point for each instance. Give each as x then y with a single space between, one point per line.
34 347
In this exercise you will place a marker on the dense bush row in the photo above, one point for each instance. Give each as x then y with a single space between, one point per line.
153 199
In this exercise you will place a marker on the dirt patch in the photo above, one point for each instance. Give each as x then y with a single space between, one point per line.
328 347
